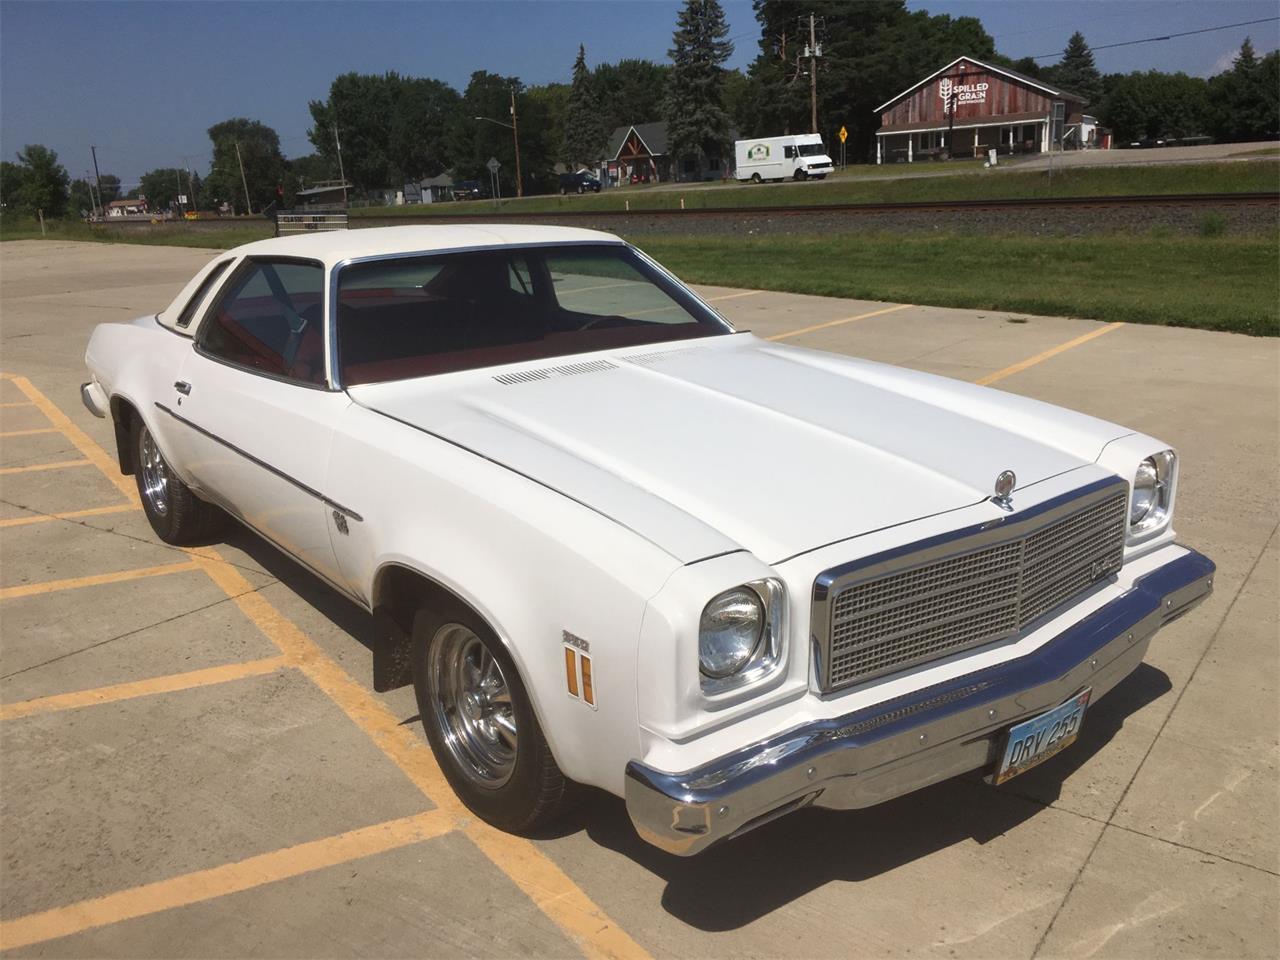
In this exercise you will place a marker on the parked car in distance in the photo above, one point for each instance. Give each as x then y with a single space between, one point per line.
579 182
469 190
609 539
798 157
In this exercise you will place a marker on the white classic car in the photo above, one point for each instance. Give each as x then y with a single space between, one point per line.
611 540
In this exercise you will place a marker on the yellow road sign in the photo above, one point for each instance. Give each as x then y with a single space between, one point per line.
844 134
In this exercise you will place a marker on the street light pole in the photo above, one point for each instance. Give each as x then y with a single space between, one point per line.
515 134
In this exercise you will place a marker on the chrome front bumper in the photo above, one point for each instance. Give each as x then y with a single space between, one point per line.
94 399
902 745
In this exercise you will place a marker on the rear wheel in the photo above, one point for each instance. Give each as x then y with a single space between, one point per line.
581 189
755 178
175 513
481 726
563 191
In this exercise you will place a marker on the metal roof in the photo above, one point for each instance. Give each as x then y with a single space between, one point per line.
1005 71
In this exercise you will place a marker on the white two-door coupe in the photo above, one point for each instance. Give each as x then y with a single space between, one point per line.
611 540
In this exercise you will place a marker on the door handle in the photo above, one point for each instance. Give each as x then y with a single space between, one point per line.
182 387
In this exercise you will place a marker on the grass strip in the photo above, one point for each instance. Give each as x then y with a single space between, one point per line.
1212 283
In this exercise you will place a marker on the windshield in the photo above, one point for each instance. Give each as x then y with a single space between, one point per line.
411 317
812 150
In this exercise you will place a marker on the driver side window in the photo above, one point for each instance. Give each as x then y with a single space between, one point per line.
270 319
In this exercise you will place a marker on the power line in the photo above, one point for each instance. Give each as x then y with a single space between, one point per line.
1185 33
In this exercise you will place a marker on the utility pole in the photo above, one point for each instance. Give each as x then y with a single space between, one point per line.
96 176
93 200
177 175
243 182
341 176
813 53
191 186
515 133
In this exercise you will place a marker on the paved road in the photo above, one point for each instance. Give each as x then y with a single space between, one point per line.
193 763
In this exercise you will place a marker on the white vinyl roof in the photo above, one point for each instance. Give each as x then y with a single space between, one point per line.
333 247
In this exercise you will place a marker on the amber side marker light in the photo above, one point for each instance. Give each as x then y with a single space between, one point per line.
571 670
588 693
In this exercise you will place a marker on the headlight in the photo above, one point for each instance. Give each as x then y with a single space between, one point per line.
730 632
1152 492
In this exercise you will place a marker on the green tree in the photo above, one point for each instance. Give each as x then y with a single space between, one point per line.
80 199
42 183
1245 100
163 186
12 177
1076 71
311 169
549 102
392 128
697 123
629 92
1154 104
264 164
108 186
584 134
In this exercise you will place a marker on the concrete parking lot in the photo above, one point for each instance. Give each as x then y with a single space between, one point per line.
193 761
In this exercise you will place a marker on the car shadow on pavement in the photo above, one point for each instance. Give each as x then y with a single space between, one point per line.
742 880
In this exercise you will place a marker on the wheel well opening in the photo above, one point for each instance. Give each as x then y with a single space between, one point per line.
398 594
123 416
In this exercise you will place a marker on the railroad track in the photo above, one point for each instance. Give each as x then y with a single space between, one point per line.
1025 203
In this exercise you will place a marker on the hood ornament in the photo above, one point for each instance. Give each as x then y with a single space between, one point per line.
1004 490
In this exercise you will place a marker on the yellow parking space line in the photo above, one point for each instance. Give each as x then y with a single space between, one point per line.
69 515
734 296
97 580
840 322
531 870
28 433
550 888
169 683
1051 352
81 440
37 467
191 888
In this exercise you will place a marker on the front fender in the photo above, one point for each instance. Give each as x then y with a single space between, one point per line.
532 563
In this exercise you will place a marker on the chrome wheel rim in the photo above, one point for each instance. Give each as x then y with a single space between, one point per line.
155 475
472 703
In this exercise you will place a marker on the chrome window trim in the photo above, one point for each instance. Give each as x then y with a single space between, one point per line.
197 330
828 584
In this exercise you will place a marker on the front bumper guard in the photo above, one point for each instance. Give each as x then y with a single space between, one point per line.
893 748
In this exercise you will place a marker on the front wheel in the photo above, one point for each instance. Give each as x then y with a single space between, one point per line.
801 175
481 726
175 513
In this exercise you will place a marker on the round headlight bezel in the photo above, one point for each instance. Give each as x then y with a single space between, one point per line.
724 622
1151 494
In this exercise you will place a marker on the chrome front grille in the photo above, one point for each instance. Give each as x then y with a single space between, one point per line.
882 615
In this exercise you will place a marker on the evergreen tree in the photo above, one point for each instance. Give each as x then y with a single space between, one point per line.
1244 100
583 133
1076 71
697 123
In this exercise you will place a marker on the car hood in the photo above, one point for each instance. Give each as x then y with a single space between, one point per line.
735 443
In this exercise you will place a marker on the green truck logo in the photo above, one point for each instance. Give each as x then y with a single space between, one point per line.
758 152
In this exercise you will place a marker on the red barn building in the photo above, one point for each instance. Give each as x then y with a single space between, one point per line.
969 107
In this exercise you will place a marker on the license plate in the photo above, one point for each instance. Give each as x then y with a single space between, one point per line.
1034 741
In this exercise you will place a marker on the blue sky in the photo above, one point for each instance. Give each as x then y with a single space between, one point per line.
144 81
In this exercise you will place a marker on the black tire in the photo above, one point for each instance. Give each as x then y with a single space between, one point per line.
755 178
534 792
174 511
563 191
581 189
801 175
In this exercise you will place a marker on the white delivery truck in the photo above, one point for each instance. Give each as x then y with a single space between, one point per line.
795 157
